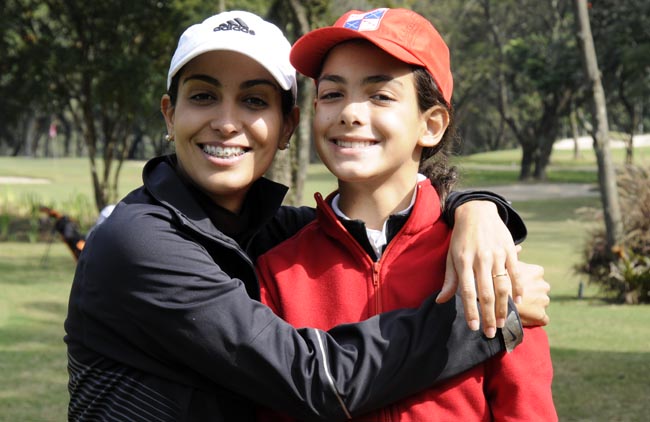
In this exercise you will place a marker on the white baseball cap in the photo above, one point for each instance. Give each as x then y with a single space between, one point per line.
241 32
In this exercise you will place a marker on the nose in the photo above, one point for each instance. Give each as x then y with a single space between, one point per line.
352 114
225 121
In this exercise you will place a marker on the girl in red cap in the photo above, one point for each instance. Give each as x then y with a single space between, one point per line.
382 124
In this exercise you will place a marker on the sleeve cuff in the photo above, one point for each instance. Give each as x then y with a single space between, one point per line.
510 217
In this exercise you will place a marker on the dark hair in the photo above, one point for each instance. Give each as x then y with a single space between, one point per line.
288 101
434 162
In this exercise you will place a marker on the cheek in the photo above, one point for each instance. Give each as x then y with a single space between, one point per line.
186 122
267 132
323 118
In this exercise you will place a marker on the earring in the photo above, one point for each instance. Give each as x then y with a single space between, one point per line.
284 145
169 138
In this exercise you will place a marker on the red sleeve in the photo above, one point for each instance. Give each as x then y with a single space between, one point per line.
268 288
269 297
518 384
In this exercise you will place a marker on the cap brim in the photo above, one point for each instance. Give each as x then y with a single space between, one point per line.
253 54
308 53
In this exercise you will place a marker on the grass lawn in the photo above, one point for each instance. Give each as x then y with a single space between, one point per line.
33 302
601 352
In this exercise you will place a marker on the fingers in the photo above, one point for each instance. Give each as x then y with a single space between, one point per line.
467 290
481 248
512 267
494 289
451 281
535 301
502 291
545 320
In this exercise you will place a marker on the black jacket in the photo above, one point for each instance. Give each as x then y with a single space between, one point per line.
162 323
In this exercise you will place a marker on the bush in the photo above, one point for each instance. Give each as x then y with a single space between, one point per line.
22 221
624 272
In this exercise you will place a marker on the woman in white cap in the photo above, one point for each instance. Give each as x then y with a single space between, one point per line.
163 320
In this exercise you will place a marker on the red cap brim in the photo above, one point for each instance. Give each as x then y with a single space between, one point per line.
308 53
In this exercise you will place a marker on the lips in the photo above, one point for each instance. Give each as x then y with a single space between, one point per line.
223 152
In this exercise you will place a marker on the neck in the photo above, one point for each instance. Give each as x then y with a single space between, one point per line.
232 203
374 203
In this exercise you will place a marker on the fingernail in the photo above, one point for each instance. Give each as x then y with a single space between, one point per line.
518 299
490 332
473 325
501 322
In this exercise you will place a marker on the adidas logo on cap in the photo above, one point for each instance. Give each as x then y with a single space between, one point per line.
234 25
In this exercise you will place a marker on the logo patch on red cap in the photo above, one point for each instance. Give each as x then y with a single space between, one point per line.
365 21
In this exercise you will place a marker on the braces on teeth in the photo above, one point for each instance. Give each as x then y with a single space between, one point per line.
222 152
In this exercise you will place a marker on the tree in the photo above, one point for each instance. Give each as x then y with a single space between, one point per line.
516 72
98 61
535 75
296 18
620 30
606 172
23 81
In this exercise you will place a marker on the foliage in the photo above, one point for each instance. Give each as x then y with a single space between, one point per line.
517 73
624 272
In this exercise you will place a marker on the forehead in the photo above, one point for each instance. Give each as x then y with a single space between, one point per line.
227 66
362 55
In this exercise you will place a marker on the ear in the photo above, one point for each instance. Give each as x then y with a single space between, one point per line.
290 124
436 120
167 110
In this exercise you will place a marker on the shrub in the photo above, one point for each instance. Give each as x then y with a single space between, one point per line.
22 221
624 272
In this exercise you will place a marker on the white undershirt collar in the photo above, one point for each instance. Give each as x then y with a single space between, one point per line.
377 238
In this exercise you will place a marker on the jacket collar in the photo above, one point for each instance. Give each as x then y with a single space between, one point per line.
425 211
167 187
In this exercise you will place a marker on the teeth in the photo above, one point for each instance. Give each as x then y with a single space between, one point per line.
221 152
355 144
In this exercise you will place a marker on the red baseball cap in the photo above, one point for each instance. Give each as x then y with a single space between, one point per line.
401 33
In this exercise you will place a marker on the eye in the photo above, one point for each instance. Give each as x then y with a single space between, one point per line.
383 98
330 95
202 97
255 102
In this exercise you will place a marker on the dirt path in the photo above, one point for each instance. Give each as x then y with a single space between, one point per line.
530 191
11 180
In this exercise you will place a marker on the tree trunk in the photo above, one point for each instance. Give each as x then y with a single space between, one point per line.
543 157
606 171
290 167
574 132
527 160
30 135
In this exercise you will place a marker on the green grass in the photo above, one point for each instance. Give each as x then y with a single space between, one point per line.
601 352
33 301
502 167
62 179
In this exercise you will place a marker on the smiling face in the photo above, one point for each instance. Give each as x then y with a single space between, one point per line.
227 124
367 125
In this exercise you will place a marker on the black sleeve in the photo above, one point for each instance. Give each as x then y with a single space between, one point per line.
286 222
166 305
510 217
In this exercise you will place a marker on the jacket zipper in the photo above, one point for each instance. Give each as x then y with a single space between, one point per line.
376 267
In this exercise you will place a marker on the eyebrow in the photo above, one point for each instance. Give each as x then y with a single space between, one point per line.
366 81
244 85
